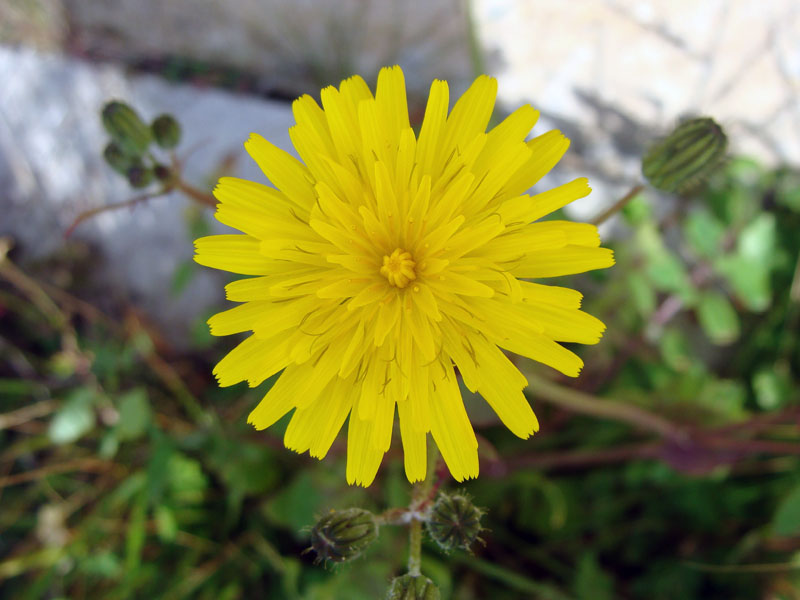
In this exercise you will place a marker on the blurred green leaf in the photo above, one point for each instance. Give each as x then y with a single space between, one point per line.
295 506
75 418
134 414
786 520
166 523
103 564
749 280
757 240
134 540
183 275
591 581
675 349
664 269
718 318
772 387
724 397
637 211
703 232
642 294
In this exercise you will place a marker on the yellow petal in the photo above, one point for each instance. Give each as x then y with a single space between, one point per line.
414 444
234 253
284 171
568 260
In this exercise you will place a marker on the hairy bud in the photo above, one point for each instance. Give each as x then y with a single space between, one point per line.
454 522
126 128
343 535
411 587
686 157
166 131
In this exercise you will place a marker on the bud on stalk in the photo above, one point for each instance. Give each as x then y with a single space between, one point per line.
343 535
686 157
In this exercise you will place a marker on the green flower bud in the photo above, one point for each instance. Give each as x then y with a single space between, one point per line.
686 157
140 177
126 128
343 535
454 522
410 587
166 131
118 160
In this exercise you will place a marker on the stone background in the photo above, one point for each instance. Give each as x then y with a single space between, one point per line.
611 74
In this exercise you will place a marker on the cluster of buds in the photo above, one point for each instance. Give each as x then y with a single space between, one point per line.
453 522
686 157
128 152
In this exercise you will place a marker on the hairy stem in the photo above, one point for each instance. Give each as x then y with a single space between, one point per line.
420 498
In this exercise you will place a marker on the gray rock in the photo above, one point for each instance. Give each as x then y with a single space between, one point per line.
51 171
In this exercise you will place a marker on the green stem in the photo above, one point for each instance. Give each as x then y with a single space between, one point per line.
415 547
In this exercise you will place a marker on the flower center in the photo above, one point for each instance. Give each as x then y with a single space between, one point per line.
399 268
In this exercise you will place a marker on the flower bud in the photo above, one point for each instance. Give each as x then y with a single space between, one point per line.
166 131
126 128
163 173
454 522
410 587
686 157
140 177
343 535
117 159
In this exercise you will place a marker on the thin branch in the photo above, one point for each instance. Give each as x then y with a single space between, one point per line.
617 206
580 402
116 205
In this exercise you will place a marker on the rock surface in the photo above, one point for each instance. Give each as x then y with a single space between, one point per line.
51 170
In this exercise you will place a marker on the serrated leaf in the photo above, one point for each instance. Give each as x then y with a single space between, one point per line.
718 318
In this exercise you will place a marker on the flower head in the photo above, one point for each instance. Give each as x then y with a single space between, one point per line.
385 261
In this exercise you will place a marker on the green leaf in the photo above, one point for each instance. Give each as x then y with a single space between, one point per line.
134 540
749 280
296 505
642 294
718 318
134 414
675 349
772 388
166 523
703 232
663 268
183 274
591 582
786 520
757 240
75 418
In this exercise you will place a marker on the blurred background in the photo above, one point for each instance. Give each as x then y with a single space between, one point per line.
669 469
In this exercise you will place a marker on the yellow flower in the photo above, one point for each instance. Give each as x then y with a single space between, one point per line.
384 261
